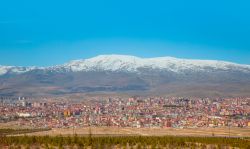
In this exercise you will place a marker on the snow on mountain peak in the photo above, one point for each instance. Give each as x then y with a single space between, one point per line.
105 62
133 64
15 70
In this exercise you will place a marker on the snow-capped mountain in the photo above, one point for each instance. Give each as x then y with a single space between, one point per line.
130 74
132 64
15 70
125 63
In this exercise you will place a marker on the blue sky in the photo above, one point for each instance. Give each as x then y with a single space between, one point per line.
45 33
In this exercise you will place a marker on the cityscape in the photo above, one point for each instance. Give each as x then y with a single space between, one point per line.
124 74
136 112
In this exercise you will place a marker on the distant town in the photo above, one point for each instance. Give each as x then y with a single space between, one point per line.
138 112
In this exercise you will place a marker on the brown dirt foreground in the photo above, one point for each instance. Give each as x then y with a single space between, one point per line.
115 131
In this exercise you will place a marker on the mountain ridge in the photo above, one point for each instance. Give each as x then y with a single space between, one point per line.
131 75
131 64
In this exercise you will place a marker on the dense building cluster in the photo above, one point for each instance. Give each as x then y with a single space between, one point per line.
129 112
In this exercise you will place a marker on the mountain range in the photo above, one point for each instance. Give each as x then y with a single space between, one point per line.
130 75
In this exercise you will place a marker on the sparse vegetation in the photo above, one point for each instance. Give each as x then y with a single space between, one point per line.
9 131
122 142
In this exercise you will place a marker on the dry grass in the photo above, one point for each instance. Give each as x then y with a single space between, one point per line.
115 131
